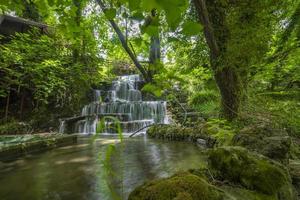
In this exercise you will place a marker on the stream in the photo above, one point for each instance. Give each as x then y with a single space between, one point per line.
78 171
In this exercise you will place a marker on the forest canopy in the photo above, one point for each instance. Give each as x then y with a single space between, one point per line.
226 57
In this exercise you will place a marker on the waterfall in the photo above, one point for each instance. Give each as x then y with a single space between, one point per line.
123 102
62 126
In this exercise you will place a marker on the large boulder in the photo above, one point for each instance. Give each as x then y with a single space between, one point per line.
294 167
193 186
181 186
270 142
252 171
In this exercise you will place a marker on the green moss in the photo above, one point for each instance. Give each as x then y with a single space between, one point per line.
220 130
179 133
181 186
243 194
251 171
263 139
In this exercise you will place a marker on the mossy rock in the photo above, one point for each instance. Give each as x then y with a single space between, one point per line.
244 194
252 171
181 186
273 143
294 166
179 133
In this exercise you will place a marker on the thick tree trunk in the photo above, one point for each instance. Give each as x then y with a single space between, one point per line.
125 44
229 85
227 77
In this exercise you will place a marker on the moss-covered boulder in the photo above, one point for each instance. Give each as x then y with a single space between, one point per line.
181 186
294 167
239 193
193 185
270 142
252 171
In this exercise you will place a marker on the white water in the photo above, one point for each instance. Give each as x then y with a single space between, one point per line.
123 102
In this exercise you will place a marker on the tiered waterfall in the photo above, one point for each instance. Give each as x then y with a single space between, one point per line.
124 103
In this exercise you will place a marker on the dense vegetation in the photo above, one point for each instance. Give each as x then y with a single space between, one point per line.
240 61
229 70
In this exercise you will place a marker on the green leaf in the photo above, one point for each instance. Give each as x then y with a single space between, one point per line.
153 89
134 4
151 30
110 13
191 28
138 41
137 16
173 39
148 5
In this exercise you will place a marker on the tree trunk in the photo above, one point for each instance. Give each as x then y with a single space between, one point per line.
7 106
227 77
22 104
229 85
154 56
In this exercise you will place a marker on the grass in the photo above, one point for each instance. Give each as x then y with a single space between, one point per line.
279 109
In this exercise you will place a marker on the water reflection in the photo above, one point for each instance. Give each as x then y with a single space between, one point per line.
75 172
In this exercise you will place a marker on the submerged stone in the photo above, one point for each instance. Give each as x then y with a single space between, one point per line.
252 171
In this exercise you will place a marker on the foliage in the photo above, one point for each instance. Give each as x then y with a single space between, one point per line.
41 65
203 96
262 48
277 109
14 127
111 151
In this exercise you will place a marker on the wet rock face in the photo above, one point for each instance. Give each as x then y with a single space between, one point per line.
252 171
269 142
182 186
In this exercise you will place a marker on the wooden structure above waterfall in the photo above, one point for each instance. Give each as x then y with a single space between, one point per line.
10 25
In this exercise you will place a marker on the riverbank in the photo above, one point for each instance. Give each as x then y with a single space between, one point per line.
256 162
13 146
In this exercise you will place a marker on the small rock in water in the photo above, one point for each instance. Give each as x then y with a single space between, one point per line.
202 143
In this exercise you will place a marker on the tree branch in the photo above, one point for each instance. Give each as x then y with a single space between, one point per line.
124 43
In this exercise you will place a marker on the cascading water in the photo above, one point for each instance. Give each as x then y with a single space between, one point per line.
123 102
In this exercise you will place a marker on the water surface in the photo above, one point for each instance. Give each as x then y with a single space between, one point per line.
78 171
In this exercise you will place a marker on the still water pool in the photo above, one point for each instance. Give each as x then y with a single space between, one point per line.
79 171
